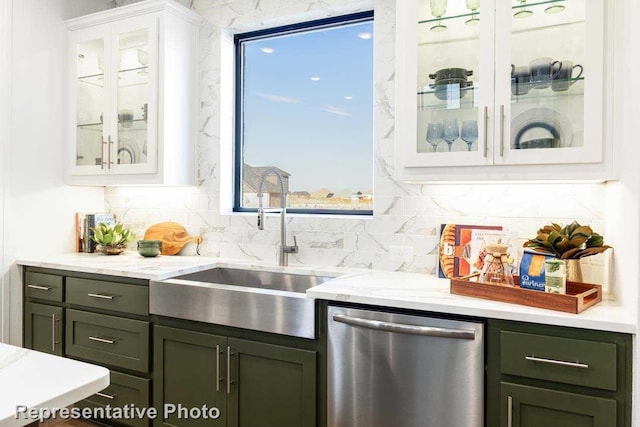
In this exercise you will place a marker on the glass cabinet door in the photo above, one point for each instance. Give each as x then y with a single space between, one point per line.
454 81
133 133
549 72
90 101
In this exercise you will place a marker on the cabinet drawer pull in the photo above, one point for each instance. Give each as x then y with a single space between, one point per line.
557 362
104 340
109 162
501 130
486 124
104 144
217 367
101 296
509 411
106 396
229 370
53 333
40 288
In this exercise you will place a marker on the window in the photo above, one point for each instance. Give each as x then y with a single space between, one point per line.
304 107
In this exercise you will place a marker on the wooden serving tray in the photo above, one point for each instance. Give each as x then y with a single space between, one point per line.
579 297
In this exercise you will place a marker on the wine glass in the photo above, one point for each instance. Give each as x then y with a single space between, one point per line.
473 5
438 8
451 131
523 12
434 134
469 132
554 8
143 60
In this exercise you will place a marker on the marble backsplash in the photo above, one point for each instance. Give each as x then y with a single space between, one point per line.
406 215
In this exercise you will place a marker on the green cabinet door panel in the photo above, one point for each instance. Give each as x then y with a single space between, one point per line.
539 407
43 286
272 386
122 297
189 370
109 340
123 390
43 328
535 356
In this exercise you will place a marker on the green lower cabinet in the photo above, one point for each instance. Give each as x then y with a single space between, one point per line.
124 390
189 372
43 329
272 386
538 407
252 384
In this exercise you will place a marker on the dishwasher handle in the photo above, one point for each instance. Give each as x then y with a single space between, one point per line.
428 331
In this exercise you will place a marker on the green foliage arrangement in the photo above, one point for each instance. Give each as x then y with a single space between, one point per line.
112 235
573 241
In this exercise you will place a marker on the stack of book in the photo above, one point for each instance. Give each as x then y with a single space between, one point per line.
85 222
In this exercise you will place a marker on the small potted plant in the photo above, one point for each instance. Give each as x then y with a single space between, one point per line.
571 243
112 239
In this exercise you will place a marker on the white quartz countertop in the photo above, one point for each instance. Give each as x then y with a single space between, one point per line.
40 380
131 264
379 288
428 293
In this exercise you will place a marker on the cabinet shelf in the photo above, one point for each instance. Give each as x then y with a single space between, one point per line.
137 124
529 5
137 75
427 98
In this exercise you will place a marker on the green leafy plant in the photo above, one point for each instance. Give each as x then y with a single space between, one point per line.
114 235
572 241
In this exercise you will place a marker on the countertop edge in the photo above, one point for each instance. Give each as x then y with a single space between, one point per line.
509 312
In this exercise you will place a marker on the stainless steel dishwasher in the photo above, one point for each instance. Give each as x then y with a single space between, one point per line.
398 370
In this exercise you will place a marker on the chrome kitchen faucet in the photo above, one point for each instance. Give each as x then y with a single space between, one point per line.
284 250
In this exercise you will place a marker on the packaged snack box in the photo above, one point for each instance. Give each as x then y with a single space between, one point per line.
532 269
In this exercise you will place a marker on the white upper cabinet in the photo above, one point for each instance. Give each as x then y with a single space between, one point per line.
500 90
133 95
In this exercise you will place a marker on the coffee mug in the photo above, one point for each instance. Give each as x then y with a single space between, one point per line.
520 80
562 80
543 70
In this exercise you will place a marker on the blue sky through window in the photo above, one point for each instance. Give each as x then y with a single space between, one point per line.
308 106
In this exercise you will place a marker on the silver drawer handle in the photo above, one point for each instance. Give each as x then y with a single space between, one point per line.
509 411
40 288
557 362
104 340
101 296
428 331
106 396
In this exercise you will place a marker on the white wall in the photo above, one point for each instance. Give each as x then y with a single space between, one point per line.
5 119
39 207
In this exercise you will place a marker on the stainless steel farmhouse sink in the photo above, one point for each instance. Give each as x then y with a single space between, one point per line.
250 299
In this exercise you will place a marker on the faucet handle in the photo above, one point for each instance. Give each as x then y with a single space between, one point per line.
291 249
260 219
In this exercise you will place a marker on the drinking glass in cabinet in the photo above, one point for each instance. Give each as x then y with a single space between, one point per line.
438 9
473 6
522 11
435 134
556 7
469 132
451 131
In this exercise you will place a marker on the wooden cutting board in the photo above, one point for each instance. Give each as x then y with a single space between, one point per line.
173 236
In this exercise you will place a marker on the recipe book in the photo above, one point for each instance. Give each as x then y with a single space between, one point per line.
83 224
458 249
